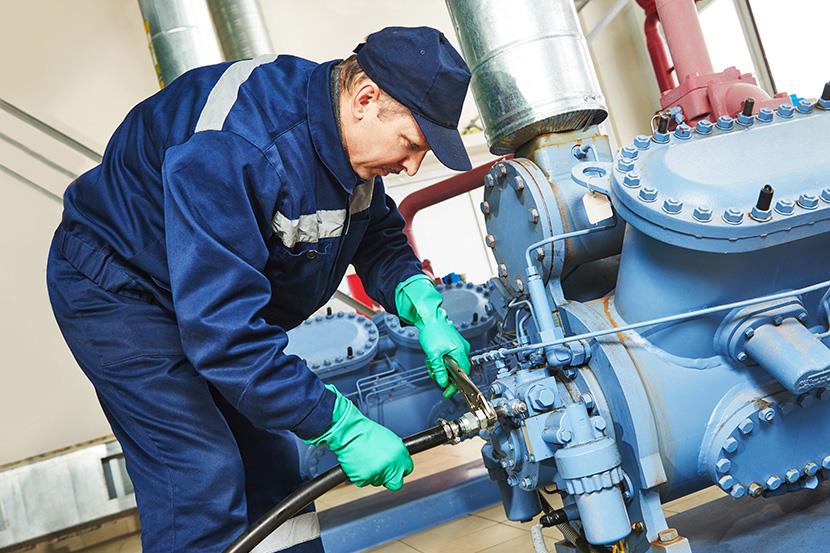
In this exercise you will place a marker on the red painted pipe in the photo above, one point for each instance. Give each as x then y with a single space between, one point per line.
439 192
681 25
657 52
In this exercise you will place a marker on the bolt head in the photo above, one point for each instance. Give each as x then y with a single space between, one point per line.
490 240
667 535
725 122
526 483
638 527
520 284
519 184
683 131
632 179
642 142
808 201
746 426
810 469
765 115
501 170
742 356
704 126
785 110
738 491
624 165
767 414
629 152
745 120
660 137
774 482
733 216
485 206
730 445
726 482
755 489
785 207
825 194
723 465
761 215
599 423
804 106
792 475
588 400
749 332
825 463
702 213
534 215
489 180
648 194
564 436
672 206
540 253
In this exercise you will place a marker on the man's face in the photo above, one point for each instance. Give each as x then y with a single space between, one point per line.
380 139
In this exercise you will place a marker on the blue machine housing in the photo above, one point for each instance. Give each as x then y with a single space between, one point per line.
709 360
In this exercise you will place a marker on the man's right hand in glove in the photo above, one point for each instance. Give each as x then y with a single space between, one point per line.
368 452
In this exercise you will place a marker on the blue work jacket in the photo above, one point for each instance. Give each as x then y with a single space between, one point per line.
230 200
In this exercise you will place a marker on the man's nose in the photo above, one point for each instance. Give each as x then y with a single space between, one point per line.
413 163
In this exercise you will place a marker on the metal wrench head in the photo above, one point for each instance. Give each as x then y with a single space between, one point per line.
472 395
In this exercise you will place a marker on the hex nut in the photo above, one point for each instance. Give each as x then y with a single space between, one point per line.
810 469
766 414
755 489
738 491
723 465
792 475
746 426
774 482
730 445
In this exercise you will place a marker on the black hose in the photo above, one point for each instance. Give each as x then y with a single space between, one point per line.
316 487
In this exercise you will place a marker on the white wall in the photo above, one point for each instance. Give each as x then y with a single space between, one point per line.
82 65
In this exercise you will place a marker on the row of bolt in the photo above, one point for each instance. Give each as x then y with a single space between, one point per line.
702 213
767 415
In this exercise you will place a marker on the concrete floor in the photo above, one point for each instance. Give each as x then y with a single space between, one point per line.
484 531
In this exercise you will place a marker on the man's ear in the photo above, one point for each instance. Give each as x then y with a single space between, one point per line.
363 97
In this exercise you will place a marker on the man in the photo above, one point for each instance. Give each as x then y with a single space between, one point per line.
226 211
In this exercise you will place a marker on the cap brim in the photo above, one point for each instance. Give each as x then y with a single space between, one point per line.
445 143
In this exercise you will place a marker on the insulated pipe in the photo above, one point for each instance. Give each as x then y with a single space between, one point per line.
440 191
181 36
241 28
685 37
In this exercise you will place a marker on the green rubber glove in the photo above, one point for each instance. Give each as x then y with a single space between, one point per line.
419 303
368 452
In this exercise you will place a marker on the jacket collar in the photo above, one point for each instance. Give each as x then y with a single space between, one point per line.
323 127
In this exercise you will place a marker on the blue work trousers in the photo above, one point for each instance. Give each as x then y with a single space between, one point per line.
202 473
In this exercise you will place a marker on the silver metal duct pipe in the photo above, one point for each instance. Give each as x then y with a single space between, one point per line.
241 28
532 73
181 36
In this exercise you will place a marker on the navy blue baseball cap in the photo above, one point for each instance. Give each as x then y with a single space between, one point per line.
419 68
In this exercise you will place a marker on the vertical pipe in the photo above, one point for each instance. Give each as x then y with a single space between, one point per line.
241 28
657 52
685 37
181 36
